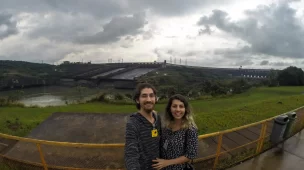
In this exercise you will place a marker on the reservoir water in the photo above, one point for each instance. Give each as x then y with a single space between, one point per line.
52 95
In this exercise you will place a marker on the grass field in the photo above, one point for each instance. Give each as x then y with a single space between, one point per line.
210 115
4 167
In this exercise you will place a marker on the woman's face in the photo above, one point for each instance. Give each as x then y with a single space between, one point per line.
177 109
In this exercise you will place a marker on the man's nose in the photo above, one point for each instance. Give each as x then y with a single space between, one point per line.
149 98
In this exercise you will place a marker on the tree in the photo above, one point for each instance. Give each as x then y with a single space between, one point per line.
239 85
273 78
291 76
207 87
167 91
15 96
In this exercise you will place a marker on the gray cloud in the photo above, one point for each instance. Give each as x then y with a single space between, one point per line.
73 24
171 52
148 35
197 53
25 5
245 62
7 25
158 54
171 36
126 46
35 50
236 53
164 54
281 64
169 7
264 62
130 38
62 27
108 8
302 62
272 30
173 7
207 30
191 53
116 28
98 8
77 18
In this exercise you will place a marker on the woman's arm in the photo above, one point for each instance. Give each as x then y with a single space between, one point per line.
192 143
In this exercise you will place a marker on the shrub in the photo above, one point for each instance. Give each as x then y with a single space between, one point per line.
3 101
119 96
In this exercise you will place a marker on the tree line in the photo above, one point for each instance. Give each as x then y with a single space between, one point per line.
290 76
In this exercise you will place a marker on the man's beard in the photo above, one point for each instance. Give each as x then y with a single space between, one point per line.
148 110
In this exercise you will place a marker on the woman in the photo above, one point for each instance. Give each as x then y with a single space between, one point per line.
179 141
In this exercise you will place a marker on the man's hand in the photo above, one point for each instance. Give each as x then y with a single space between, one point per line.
160 163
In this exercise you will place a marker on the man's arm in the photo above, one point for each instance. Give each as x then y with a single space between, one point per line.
131 148
162 163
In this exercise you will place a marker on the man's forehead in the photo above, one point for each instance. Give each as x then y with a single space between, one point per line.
147 91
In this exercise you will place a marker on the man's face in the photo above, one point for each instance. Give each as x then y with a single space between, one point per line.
147 100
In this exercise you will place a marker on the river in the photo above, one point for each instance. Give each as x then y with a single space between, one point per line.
52 95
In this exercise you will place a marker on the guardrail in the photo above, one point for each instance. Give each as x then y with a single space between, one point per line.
216 150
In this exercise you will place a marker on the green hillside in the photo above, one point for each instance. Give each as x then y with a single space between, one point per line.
211 115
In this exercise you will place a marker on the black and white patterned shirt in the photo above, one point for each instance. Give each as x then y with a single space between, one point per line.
173 145
140 147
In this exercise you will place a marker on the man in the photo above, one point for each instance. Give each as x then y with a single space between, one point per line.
143 131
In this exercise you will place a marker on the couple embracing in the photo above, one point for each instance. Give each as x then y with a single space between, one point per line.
154 143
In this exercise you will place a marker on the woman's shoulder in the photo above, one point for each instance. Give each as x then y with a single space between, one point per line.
191 130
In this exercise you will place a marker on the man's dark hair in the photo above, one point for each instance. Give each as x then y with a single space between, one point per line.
138 90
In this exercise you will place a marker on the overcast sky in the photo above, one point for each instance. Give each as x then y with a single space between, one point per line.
218 33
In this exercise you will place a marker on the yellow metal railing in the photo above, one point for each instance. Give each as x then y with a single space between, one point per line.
215 157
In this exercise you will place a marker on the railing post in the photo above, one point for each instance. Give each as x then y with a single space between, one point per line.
302 125
262 137
41 156
218 150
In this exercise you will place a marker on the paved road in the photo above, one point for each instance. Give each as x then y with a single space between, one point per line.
290 156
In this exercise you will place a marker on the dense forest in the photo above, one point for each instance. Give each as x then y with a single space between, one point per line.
21 74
